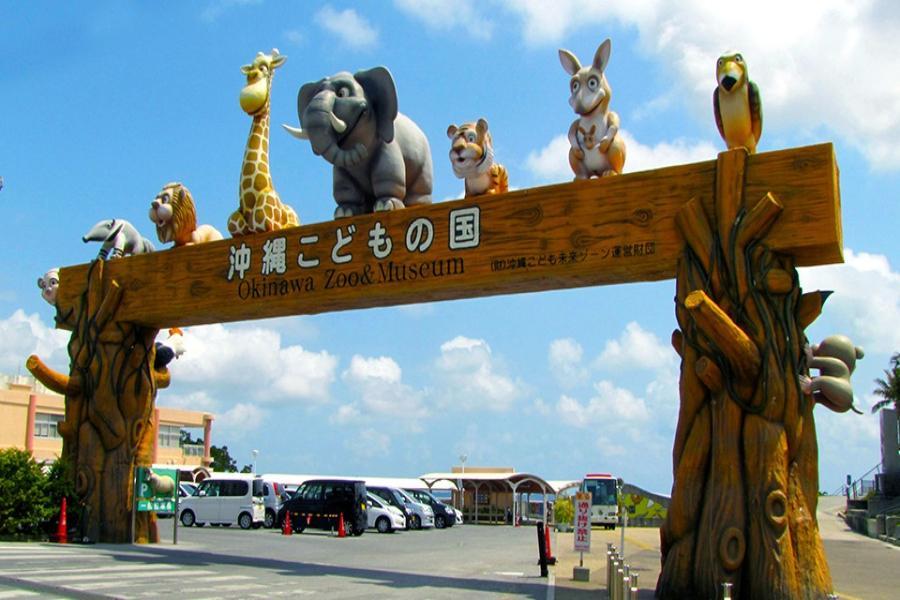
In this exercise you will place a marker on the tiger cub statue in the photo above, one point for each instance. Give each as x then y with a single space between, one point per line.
175 216
472 157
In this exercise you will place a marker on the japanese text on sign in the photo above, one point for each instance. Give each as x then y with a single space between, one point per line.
583 522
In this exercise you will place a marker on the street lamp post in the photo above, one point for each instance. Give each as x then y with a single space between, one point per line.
462 491
254 454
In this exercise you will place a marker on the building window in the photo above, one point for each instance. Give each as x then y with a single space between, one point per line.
193 449
45 425
169 436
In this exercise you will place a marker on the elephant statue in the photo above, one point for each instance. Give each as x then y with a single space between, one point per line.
381 159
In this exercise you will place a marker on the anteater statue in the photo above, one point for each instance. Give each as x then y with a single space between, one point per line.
119 238
381 159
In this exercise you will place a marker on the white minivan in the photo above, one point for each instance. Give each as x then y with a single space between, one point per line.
225 499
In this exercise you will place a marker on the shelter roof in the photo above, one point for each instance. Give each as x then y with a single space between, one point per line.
500 481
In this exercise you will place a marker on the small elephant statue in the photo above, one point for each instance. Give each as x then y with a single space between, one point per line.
381 159
836 360
597 149
119 238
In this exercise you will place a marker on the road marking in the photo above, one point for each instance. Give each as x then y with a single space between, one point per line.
510 573
89 569
17 594
159 572
551 586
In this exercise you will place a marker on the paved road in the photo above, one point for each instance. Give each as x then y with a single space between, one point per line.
467 562
861 567
470 562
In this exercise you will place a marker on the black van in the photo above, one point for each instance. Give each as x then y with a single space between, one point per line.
320 502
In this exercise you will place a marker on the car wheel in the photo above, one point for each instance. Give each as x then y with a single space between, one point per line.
245 521
439 521
356 532
270 519
187 518
416 522
383 525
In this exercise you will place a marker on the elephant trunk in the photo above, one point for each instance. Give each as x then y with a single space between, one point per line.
323 127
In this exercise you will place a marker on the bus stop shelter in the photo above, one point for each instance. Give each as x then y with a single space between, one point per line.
516 483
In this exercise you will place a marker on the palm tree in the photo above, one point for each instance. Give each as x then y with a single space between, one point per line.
889 387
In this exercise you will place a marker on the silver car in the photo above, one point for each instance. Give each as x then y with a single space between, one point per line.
423 516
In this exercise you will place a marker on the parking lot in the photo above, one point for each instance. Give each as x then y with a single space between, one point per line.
218 562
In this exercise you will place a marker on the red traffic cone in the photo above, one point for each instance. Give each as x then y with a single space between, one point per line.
550 559
286 528
341 531
61 535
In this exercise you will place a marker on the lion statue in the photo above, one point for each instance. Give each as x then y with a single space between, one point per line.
175 216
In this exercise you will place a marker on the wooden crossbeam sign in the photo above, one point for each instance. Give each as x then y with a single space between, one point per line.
601 231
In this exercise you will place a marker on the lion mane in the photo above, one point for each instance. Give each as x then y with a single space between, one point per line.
175 215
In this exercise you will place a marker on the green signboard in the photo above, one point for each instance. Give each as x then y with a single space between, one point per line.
156 489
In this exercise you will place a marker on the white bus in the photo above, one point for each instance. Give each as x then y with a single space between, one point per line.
604 499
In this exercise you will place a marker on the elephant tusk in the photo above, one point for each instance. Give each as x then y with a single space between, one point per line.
296 132
337 123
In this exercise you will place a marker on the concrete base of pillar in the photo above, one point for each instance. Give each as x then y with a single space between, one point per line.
581 574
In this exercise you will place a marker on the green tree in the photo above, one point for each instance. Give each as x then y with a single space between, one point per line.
564 510
24 508
889 387
221 459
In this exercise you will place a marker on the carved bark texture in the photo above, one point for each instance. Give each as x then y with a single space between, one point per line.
108 427
745 458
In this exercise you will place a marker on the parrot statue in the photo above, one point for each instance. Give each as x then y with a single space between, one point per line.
737 104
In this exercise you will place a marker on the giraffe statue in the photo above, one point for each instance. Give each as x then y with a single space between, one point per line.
260 207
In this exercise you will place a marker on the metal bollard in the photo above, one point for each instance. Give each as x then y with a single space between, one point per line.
620 575
833 597
634 586
626 584
610 553
726 590
612 578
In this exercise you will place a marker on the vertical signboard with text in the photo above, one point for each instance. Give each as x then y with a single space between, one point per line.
583 522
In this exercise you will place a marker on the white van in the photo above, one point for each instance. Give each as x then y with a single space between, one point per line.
225 499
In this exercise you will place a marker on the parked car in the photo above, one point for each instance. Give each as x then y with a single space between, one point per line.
274 495
382 516
423 516
185 489
459 516
444 516
225 500
320 502
393 497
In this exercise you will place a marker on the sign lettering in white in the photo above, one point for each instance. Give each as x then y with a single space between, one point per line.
583 522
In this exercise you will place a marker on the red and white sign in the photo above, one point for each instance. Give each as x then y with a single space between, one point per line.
583 522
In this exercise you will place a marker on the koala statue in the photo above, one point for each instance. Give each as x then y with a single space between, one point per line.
836 360
597 150
49 285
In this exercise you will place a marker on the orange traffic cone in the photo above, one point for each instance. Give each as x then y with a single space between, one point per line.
550 559
61 535
341 531
286 528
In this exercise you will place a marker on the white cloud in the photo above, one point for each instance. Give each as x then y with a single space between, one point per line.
609 404
200 400
239 421
251 360
460 15
469 379
22 335
817 62
565 362
295 36
639 157
352 29
346 414
636 348
866 300
378 384
369 444
551 163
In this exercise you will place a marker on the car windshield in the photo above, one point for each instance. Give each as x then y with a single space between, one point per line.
407 498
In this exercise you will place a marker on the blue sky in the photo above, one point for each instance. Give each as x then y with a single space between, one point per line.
105 102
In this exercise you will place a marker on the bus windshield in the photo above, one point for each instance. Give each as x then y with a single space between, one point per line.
603 491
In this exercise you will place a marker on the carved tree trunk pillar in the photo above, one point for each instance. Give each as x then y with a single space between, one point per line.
110 393
745 459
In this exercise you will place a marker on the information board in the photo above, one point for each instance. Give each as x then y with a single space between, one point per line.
583 522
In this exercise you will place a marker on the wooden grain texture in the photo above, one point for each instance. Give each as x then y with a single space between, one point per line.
603 231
